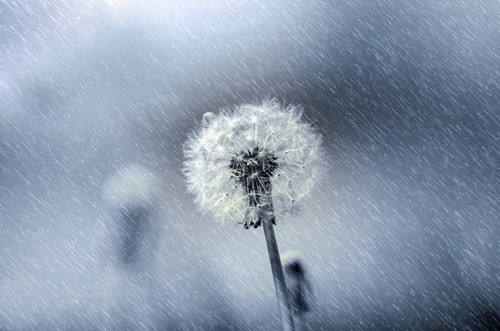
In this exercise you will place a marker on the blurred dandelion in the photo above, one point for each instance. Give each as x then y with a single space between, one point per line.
252 164
131 193
132 184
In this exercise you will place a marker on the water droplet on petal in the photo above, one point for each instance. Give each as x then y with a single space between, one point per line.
208 118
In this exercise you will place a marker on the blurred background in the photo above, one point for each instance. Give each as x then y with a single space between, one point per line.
98 97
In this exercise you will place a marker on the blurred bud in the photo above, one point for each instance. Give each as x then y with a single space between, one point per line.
298 283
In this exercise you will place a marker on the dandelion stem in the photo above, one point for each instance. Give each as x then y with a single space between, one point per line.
278 275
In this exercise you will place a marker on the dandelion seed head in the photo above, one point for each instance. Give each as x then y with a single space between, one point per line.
132 184
247 143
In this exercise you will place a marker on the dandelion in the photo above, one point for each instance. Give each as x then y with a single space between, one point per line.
131 192
252 165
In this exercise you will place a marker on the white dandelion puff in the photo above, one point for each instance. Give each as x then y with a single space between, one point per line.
252 164
272 142
132 184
